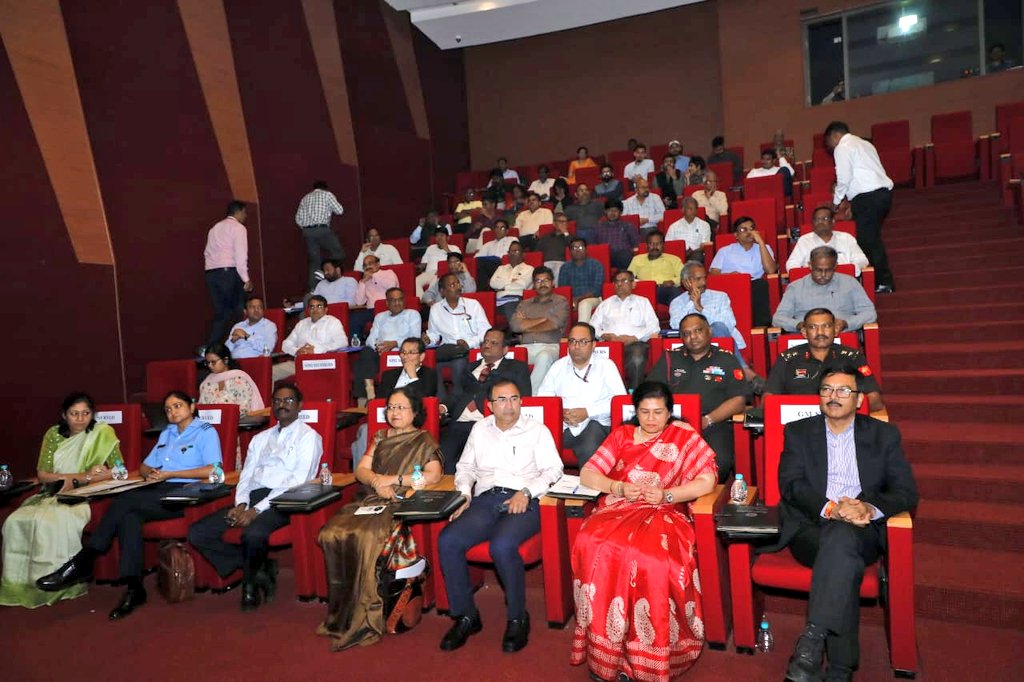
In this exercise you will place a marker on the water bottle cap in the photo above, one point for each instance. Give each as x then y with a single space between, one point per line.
739 477
3 466
764 625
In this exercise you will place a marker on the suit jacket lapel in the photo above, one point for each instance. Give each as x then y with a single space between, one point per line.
819 461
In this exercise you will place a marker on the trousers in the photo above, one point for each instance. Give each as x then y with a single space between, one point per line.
227 557
124 521
320 237
227 297
587 443
869 210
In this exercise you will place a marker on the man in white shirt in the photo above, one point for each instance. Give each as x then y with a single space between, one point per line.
630 320
714 201
335 287
508 174
844 243
649 207
691 229
861 179
433 293
255 335
508 463
386 253
511 279
435 253
318 333
314 218
389 329
278 458
542 185
528 222
458 324
497 247
640 167
768 167
586 385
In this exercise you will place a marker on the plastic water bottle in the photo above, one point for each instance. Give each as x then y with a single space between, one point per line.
325 475
738 494
355 343
119 472
6 479
266 349
417 478
217 474
765 640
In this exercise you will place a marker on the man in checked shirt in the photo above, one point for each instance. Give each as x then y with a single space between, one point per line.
314 218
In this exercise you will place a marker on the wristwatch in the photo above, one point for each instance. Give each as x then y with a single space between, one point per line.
529 495
669 497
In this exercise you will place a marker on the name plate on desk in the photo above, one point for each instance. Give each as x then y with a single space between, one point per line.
535 412
210 416
602 352
310 365
111 417
792 413
381 416
393 361
309 416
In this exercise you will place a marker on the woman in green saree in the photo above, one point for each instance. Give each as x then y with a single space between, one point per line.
42 533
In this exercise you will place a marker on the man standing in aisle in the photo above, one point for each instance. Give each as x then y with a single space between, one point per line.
314 217
861 179
227 270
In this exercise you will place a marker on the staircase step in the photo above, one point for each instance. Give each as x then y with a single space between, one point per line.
960 451
939 331
983 587
955 381
970 215
954 408
988 244
992 312
967 483
915 290
925 263
930 355
982 525
950 236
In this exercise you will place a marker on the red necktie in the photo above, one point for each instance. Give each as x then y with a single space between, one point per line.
485 372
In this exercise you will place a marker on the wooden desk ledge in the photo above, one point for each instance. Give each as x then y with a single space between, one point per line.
901 520
579 503
881 415
342 480
447 482
705 504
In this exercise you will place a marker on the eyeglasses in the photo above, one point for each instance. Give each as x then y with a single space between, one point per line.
80 415
824 326
290 400
578 247
744 230
826 391
543 280
506 400
398 408
579 342
215 361
316 306
823 220
623 280
409 352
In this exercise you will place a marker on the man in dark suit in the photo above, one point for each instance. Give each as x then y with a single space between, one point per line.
465 408
413 373
841 475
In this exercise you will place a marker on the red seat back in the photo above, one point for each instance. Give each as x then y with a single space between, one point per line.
602 253
1005 113
761 210
952 127
534 258
406 273
164 376
768 187
376 417
126 420
340 311
588 177
224 418
891 135
259 370
325 377
403 247
487 300
685 406
276 315
661 345
822 179
737 285
724 172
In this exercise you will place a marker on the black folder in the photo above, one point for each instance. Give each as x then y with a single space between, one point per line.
747 521
197 493
430 505
305 498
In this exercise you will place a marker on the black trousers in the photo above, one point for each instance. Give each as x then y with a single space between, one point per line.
453 440
761 308
228 299
226 557
365 367
719 438
317 238
124 520
837 552
586 444
635 356
869 210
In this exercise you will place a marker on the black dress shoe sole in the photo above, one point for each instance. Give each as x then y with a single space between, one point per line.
123 611
451 644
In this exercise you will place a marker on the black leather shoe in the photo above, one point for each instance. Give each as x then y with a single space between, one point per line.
885 289
458 634
805 663
838 673
266 580
517 634
71 573
250 596
133 598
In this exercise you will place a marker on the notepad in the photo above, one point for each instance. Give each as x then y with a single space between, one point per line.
568 487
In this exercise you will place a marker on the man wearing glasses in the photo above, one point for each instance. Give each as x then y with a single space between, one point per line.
797 370
541 322
508 463
585 275
630 320
278 458
825 288
318 333
752 256
586 385
844 243
841 475
389 329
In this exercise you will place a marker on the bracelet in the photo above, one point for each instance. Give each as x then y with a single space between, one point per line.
828 509
399 480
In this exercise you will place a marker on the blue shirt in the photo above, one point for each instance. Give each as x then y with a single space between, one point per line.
682 162
398 328
262 335
734 258
585 279
716 308
197 446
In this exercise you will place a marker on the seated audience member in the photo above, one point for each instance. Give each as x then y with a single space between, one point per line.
752 256
682 161
540 321
385 253
226 384
335 286
797 370
371 288
646 205
433 293
484 220
639 168
825 288
656 265
488 256
530 220
610 188
185 451
647 468
630 320
585 275
691 229
388 330
255 335
498 187
713 305
582 160
670 181
518 205
621 236
358 547
466 408
318 333
434 254
41 534
456 323
464 210
283 456
631 143
782 150
508 174
542 185
509 462
554 244
715 375
845 244
427 228
768 167
585 211
719 154
586 385
696 171
510 280
841 476
561 198
714 201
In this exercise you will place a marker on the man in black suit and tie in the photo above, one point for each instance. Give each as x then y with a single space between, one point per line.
841 475
465 408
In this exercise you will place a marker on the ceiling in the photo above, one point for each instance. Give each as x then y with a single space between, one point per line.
478 22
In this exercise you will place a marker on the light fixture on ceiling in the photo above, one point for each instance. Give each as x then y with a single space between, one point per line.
907 21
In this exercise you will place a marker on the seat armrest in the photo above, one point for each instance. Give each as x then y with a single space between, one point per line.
706 504
901 520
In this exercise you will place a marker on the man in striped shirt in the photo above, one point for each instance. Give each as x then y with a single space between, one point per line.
314 218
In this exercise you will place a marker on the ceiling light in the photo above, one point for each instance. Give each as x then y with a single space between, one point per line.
907 21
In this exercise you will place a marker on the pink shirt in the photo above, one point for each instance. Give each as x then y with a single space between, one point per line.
227 247
370 291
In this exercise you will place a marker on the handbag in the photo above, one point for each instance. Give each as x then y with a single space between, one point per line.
176 572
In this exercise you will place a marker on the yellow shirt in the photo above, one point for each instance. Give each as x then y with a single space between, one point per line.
661 269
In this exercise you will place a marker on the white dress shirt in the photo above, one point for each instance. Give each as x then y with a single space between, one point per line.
694 234
759 172
326 335
542 187
511 281
522 457
651 211
466 321
592 387
633 169
631 316
858 169
397 328
387 254
844 243
496 248
279 459
341 290
434 255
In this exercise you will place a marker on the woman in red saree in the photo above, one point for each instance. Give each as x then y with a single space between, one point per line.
637 592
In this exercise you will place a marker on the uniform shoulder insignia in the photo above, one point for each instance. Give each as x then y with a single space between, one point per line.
204 425
790 354
737 374
865 370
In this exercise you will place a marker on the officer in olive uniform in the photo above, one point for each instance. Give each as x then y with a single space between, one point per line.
796 371
716 376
